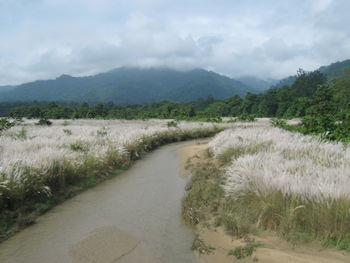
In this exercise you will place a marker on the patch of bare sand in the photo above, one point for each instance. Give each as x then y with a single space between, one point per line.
273 250
190 155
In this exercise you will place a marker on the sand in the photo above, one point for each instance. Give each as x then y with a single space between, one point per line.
190 155
273 250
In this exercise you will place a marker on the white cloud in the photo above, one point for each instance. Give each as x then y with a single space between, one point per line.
318 6
46 38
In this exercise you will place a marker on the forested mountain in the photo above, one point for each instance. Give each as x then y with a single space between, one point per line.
330 71
257 83
6 88
131 85
335 69
323 105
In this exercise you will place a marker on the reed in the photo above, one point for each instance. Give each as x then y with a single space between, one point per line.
288 182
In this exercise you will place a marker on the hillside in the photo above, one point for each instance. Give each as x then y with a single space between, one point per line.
131 85
6 88
257 83
331 71
335 69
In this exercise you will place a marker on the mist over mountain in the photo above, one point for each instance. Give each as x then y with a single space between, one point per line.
131 85
331 71
257 83
6 88
139 85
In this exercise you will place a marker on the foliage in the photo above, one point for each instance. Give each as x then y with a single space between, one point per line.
322 104
246 117
129 85
68 131
278 122
6 124
244 251
329 111
44 121
203 193
172 124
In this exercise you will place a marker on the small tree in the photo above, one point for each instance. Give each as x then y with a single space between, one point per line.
44 121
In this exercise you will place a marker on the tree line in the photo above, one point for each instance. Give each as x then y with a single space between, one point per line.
323 105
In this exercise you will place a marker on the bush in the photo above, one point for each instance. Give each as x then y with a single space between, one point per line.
172 124
246 117
244 251
280 123
6 124
67 131
43 122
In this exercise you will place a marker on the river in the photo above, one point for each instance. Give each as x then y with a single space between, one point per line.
134 217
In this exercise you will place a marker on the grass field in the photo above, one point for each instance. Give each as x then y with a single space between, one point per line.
269 178
44 165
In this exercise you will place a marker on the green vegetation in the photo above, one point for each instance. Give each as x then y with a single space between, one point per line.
203 194
130 86
323 105
44 121
244 251
296 223
6 124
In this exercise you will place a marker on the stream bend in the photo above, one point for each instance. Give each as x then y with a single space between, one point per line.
135 217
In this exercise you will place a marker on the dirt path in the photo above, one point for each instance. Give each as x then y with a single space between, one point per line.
273 250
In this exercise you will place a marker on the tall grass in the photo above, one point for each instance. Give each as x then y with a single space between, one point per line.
287 182
53 163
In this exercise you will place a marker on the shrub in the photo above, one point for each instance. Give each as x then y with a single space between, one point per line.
6 124
43 122
244 251
172 124
278 122
68 131
246 117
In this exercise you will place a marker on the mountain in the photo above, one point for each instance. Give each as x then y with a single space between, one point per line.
256 83
131 85
6 88
331 71
335 69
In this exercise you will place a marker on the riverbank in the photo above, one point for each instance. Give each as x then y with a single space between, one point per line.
220 239
67 159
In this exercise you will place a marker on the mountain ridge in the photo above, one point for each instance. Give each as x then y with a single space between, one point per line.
131 85
331 71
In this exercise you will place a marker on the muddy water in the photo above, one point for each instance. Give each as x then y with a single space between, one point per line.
134 217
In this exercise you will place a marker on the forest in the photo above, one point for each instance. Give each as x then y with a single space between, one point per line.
322 104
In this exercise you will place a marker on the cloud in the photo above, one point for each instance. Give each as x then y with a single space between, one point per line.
45 38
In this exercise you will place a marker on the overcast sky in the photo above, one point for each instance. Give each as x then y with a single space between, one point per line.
42 39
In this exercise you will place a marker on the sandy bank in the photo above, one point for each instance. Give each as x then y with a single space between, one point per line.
273 250
190 155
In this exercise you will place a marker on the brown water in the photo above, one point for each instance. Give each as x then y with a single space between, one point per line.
135 217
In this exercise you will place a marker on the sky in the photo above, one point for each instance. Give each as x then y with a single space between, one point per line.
42 39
